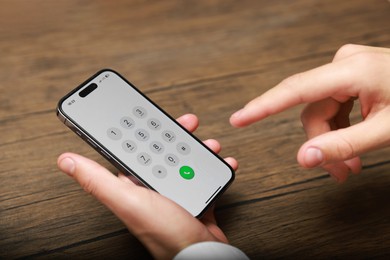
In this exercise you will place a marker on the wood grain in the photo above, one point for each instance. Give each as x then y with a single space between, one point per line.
203 57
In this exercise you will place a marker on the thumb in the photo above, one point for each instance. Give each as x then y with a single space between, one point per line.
344 144
94 179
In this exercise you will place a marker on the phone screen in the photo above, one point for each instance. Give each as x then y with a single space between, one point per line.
141 139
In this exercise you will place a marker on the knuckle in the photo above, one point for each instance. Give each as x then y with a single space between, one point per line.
316 113
345 148
89 185
305 115
88 181
365 59
345 50
367 64
292 83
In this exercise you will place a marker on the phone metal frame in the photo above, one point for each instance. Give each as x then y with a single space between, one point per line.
96 145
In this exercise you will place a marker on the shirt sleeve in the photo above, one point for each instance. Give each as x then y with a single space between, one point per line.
210 250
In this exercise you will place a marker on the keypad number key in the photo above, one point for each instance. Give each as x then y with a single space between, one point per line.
156 147
144 159
129 146
154 124
127 122
171 159
142 135
140 112
168 136
114 133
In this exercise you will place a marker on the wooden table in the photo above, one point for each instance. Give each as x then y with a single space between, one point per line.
202 57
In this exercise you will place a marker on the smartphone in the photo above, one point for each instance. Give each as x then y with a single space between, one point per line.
139 138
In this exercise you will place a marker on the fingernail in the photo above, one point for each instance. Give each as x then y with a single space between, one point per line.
237 114
313 157
67 165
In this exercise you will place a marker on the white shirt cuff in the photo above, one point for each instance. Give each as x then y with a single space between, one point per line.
210 250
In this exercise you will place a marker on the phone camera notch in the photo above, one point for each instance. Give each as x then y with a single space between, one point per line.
86 91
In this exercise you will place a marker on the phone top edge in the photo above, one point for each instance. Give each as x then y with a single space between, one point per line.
60 102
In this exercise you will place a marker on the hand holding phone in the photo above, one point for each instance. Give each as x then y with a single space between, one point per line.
139 138
162 226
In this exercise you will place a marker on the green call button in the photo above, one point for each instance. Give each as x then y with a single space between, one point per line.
187 172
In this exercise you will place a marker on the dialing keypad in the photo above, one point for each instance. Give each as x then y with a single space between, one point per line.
154 137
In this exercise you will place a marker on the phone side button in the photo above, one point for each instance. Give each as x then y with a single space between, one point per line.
91 143
106 155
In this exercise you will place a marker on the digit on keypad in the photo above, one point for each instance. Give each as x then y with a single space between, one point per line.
156 147
127 122
144 159
171 159
139 112
129 146
142 135
154 124
114 133
168 136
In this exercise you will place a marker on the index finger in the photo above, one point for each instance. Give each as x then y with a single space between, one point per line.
331 80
